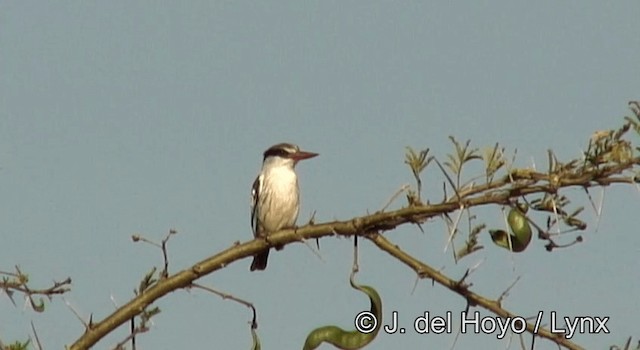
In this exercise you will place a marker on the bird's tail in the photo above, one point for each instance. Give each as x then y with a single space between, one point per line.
260 261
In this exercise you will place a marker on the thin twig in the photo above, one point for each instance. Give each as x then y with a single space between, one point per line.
393 197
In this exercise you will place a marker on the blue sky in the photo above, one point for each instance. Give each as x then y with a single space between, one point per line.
119 118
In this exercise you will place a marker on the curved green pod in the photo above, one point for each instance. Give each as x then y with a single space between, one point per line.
256 340
521 232
348 340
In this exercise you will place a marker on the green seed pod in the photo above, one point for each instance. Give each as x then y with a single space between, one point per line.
256 340
348 340
520 228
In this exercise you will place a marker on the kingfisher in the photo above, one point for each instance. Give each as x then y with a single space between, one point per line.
275 196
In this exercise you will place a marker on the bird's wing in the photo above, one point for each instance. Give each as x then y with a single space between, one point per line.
255 197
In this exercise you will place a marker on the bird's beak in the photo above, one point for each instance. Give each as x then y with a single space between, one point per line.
300 155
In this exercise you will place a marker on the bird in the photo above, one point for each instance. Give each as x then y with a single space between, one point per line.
275 195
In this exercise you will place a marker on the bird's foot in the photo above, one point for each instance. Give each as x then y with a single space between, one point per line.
271 244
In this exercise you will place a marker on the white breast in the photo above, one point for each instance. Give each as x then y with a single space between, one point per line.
280 198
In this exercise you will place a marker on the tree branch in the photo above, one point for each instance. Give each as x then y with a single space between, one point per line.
516 184
425 271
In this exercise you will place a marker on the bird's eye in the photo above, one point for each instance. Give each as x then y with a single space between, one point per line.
277 152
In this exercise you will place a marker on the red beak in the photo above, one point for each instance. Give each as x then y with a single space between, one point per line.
300 155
